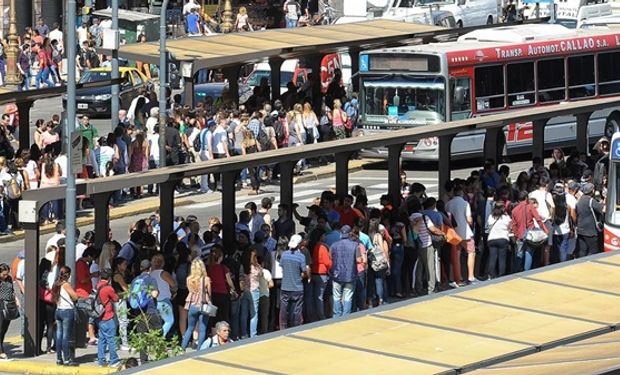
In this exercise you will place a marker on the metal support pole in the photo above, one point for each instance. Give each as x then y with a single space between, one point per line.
163 68
31 308
286 184
394 152
443 164
355 68
228 207
493 146
188 91
116 105
232 75
342 173
166 209
538 139
317 96
102 217
70 213
24 123
276 70
581 131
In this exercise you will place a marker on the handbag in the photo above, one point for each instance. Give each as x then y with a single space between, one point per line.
207 308
46 295
452 237
10 310
534 237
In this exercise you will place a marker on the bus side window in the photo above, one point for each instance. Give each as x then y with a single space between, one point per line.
608 73
461 97
490 87
551 80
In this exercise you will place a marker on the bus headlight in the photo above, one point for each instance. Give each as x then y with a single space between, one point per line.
615 241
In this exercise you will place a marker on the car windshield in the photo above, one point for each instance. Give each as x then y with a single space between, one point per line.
568 23
257 75
94 76
425 3
405 100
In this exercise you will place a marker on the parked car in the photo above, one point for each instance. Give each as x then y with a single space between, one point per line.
96 102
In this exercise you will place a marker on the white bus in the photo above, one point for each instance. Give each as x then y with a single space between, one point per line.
490 71
571 13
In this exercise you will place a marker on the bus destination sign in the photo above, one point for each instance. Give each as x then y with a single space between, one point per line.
546 48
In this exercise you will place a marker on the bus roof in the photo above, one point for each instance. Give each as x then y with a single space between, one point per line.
515 42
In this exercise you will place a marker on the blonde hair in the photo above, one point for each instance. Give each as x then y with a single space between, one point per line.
337 104
197 273
243 11
307 108
107 250
298 108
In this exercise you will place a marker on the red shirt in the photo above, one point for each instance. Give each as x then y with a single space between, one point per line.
108 296
321 261
348 217
82 273
217 273
523 216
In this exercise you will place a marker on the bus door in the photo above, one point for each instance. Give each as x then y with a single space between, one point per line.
460 87
612 214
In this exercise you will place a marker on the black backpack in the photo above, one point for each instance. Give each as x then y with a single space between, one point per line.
263 139
278 127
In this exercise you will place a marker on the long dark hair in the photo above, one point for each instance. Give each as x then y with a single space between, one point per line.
63 276
561 209
499 208
314 238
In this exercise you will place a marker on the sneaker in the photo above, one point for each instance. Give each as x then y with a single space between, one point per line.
453 284
92 342
125 348
115 364
72 364
473 281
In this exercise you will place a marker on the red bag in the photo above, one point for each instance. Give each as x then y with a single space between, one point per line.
46 295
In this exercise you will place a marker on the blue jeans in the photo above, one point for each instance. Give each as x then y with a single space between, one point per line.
235 309
343 298
290 23
380 289
318 291
51 210
246 312
194 315
44 76
64 335
26 81
360 291
3 223
524 258
166 311
254 312
397 254
107 339
561 246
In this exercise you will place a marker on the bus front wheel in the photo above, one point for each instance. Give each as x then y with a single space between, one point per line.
612 125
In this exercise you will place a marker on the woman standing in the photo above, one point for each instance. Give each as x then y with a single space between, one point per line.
119 269
222 285
181 272
375 232
7 295
321 265
167 289
299 120
498 229
138 158
65 298
199 286
49 178
38 132
339 118
242 24
143 67
48 306
254 272
311 123
49 136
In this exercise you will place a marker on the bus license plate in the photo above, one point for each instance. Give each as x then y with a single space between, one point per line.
82 106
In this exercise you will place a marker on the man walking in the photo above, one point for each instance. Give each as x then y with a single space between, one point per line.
345 255
107 324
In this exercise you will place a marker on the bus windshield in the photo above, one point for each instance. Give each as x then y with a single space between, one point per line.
405 100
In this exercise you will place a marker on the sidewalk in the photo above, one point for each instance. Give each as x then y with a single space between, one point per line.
150 204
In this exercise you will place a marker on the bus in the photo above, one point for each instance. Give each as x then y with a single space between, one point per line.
571 13
485 72
611 231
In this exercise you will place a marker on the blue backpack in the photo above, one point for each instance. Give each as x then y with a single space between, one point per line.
139 297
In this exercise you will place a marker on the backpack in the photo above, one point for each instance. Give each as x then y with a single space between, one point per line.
14 191
94 307
198 140
263 139
376 256
600 170
278 127
138 294
351 110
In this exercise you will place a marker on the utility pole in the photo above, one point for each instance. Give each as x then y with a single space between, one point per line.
70 214
115 74
163 66
12 53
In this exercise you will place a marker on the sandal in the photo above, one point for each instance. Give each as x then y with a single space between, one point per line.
3 356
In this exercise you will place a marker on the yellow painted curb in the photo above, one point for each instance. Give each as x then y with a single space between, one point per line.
17 366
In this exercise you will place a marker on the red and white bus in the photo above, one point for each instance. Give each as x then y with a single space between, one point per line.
489 71
611 232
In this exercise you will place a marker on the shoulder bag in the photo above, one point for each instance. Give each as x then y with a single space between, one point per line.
597 223
207 307
535 237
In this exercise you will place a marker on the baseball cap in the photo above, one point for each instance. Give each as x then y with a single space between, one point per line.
295 241
574 185
145 264
345 230
587 188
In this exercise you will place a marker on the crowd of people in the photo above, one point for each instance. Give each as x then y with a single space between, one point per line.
287 267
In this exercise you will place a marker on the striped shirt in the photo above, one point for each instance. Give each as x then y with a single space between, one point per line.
423 232
293 264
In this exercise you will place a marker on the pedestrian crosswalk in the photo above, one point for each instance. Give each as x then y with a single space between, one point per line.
307 193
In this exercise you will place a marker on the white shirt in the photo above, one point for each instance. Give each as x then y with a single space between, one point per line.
62 161
461 210
94 268
541 197
82 33
79 250
187 8
219 135
57 35
150 124
192 136
498 229
54 241
263 283
20 274
276 268
153 140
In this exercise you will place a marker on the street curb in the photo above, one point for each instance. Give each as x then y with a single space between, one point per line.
17 366
357 166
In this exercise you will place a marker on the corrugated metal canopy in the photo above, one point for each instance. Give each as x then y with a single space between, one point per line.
233 49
